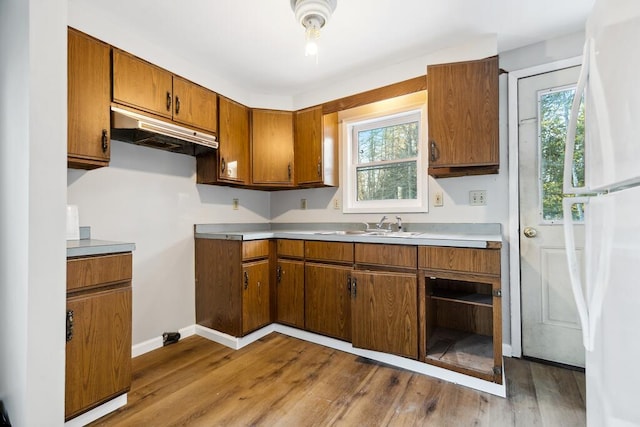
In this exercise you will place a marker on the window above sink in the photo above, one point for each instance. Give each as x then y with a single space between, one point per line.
384 152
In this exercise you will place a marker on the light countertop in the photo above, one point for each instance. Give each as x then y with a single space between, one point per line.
86 247
455 235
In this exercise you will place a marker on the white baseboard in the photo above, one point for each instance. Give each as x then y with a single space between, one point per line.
400 362
507 350
95 413
154 343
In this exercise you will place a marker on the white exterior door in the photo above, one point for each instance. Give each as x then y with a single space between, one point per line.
550 324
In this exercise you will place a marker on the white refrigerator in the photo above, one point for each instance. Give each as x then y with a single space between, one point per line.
607 288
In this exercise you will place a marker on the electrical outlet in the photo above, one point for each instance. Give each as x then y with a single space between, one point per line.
235 204
438 199
336 203
303 204
478 197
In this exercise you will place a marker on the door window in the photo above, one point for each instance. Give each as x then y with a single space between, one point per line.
554 109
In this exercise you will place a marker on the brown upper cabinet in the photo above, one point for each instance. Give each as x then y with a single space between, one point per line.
89 98
144 86
272 148
231 162
316 148
463 118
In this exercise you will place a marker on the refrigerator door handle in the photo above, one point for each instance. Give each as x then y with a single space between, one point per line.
574 268
569 146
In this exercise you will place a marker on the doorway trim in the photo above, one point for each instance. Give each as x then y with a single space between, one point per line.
514 192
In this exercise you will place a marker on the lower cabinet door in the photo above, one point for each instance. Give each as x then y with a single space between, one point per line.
290 292
255 296
384 312
98 354
327 306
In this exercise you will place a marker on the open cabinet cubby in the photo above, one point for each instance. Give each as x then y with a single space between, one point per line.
462 310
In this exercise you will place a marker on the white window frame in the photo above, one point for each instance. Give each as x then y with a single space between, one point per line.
385 113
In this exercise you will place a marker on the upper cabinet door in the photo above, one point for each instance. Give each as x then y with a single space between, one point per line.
234 142
308 146
194 105
89 98
463 118
138 84
316 145
272 147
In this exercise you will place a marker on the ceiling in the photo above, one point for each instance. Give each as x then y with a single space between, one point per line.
258 44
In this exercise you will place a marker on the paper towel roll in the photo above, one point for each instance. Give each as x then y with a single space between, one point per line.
73 223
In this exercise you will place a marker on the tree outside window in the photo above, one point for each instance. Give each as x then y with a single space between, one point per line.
554 115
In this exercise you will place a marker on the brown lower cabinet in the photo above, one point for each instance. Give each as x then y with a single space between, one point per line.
232 285
438 305
289 281
98 350
327 300
255 295
384 312
290 292
463 311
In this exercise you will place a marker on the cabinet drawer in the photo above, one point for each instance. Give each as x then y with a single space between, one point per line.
329 251
255 249
387 255
291 248
91 271
485 261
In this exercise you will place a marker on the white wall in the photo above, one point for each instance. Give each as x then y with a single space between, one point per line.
149 197
33 127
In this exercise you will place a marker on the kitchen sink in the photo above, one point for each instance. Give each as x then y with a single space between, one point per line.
376 233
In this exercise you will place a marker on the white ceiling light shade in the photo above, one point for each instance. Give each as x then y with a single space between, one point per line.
313 15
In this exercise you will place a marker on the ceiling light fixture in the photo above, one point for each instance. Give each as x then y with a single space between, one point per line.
313 15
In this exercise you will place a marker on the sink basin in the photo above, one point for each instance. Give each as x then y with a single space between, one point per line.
377 233
343 232
397 233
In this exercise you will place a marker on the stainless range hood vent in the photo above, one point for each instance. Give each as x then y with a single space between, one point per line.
138 129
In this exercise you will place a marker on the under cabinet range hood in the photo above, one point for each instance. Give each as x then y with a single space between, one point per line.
139 129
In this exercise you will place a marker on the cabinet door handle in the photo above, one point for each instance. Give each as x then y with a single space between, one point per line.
319 169
105 140
278 274
349 284
354 287
168 101
434 151
289 171
69 325
223 165
177 104
246 280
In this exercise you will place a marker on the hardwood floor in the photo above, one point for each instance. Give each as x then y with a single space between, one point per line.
284 381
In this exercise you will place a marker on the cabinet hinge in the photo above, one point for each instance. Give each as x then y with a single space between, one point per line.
497 370
497 292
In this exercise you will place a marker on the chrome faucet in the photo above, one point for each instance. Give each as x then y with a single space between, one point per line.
381 223
399 223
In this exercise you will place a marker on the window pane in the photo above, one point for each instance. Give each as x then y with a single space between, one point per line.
386 182
555 109
388 143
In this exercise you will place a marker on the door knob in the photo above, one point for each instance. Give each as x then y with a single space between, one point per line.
530 232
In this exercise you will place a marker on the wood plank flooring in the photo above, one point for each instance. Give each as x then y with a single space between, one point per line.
284 381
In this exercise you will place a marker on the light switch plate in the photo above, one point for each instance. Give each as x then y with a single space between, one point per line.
235 204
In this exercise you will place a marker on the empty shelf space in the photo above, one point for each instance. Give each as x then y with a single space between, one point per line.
462 349
473 298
